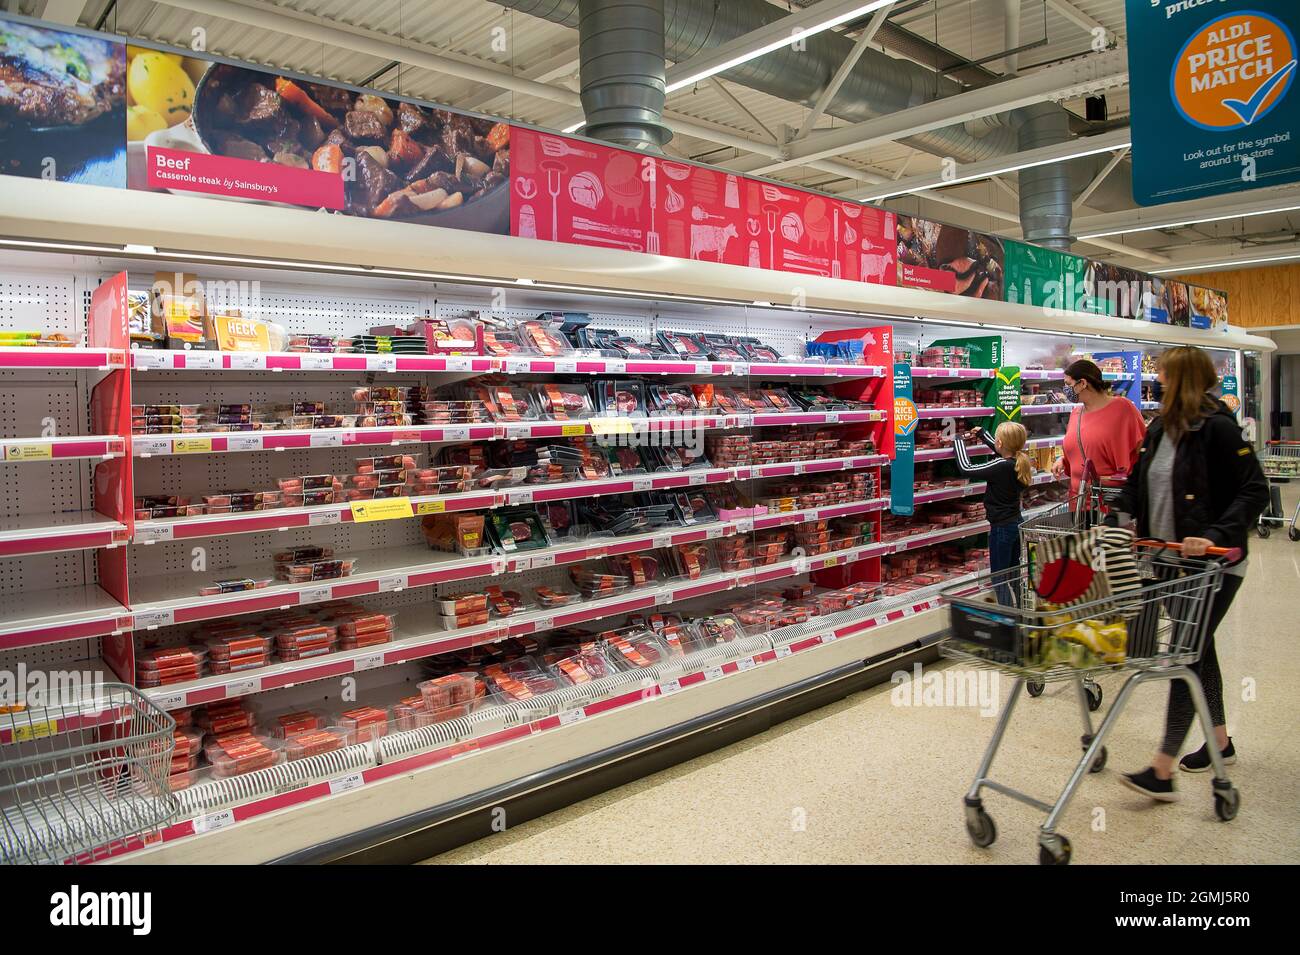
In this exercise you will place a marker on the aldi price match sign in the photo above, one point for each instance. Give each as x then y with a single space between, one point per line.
1215 106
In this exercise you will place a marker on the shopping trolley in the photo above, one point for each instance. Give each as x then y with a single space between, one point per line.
1086 509
83 774
1166 623
1281 463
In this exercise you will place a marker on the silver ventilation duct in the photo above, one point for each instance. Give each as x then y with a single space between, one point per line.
878 85
621 54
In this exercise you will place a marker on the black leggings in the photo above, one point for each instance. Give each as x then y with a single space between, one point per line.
1181 712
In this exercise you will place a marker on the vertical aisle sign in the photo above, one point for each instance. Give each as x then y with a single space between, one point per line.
1214 99
1231 393
1004 395
902 471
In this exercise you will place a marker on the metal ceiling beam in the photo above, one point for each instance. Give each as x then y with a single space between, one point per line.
1027 159
806 22
845 68
734 102
1082 198
1172 214
1080 19
66 12
1063 81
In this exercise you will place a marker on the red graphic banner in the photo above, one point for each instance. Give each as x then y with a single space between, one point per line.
567 190
243 178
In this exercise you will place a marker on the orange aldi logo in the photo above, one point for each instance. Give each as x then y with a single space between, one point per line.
1233 71
904 417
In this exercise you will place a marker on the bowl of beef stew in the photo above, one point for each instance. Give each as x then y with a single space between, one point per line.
399 160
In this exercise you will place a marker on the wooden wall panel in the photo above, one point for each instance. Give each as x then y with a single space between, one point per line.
1262 296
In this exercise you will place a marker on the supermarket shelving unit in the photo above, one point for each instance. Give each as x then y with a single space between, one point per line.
60 603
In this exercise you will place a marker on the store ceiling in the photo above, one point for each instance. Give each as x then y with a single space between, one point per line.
483 33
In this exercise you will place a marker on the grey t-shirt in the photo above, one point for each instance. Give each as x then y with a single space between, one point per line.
1160 497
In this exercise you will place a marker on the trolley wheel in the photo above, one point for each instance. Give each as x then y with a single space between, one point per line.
1263 531
1098 761
980 828
1094 697
1035 687
1293 532
1056 854
1226 804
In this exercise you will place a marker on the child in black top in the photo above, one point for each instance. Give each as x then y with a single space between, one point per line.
1006 475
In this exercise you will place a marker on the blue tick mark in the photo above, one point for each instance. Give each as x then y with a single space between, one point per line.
1249 110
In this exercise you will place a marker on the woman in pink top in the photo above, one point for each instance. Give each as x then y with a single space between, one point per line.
1104 430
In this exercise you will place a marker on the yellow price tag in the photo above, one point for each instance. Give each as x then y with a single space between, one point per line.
431 507
830 561
191 445
611 426
385 510
574 430
35 731
29 452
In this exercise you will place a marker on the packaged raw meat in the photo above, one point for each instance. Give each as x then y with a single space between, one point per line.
548 596
562 402
544 339
683 345
238 753
450 690
299 721
365 723
314 742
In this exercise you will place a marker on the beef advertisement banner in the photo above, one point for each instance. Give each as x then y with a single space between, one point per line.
946 258
569 190
1213 96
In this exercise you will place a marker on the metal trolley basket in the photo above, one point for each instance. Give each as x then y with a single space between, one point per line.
1281 463
1165 621
1084 510
82 775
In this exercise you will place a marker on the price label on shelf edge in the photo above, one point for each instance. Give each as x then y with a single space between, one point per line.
310 362
312 595
172 701
669 687
141 446
244 442
391 583
148 619
385 509
745 663
203 360
455 434
146 358
191 445
325 439
542 560
572 716
370 661
29 452
381 363
153 534
323 518
783 651
214 821
248 361
713 673
543 623
241 687
345 783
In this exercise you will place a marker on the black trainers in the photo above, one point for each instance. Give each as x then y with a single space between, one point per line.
1146 783
1199 761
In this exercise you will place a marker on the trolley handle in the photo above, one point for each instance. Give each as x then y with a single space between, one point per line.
1230 555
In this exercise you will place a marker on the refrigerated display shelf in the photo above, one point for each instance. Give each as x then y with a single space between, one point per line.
41 357
276 440
1046 409
922 372
217 804
46 533
60 614
974 450
336 363
20 450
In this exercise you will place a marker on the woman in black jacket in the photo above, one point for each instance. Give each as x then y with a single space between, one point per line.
1196 482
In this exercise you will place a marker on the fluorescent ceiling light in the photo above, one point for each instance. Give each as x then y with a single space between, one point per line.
990 173
1227 263
575 127
795 34
1185 222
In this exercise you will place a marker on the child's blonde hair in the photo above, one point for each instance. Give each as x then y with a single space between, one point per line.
1013 437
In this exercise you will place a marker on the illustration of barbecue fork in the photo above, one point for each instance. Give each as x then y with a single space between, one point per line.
652 237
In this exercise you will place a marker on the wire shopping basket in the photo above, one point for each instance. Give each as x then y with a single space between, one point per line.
83 774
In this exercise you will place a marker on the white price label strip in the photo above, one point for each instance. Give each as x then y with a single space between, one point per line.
203 359
326 439
664 598
783 651
572 716
345 783
244 442
321 518
740 368
316 362
520 497
381 363
248 361
828 637
455 434
745 663
543 623
391 583
566 367
145 358
713 673
670 687
370 661
150 535
214 821
241 687
712 533
142 446
699 479
314 595
459 363
643 484
661 540
148 619
172 701
615 367
542 560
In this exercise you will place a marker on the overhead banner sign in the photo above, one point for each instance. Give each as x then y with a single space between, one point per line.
1213 97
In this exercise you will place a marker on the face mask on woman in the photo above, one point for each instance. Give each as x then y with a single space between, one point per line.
1070 394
